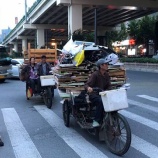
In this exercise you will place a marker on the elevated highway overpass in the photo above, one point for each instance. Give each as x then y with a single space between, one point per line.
55 19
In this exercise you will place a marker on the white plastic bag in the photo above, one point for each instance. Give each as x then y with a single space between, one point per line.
76 49
112 58
67 47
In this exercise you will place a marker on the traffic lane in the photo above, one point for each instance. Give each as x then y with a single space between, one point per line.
41 133
142 83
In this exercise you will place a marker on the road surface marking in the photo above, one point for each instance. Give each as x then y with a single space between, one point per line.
144 147
148 97
21 142
79 144
85 149
140 119
145 106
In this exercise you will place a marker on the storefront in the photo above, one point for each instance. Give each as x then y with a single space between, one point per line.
125 48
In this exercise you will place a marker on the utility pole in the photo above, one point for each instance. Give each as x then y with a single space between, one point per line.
95 27
25 11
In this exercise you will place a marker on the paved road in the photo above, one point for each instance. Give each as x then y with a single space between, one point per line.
30 130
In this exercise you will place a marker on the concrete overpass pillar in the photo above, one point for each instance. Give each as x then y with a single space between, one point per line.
10 50
15 46
24 45
74 18
40 38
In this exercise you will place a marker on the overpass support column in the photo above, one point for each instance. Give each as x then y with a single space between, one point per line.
40 38
15 46
24 45
11 50
74 18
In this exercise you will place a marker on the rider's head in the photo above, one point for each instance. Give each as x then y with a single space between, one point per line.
32 60
101 63
43 58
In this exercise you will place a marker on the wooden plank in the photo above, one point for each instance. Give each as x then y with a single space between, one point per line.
117 73
66 65
117 83
75 89
51 54
42 50
77 84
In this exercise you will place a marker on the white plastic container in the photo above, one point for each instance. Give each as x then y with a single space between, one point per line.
114 100
47 80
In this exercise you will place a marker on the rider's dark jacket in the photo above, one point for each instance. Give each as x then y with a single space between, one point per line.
98 80
40 69
26 71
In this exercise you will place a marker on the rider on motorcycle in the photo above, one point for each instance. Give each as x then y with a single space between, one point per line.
44 68
32 79
99 79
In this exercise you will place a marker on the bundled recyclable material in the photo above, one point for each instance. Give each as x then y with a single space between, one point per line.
74 70
71 78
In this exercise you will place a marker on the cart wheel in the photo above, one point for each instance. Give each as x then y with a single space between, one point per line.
66 113
52 89
118 134
47 97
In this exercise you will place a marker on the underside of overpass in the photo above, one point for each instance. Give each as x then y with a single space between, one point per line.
109 15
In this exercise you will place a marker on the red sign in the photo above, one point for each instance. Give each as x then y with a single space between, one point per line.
131 42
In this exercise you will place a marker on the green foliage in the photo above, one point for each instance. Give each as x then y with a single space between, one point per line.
115 35
139 60
133 29
142 30
80 35
122 34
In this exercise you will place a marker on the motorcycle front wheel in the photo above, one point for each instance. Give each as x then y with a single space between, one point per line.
117 134
66 113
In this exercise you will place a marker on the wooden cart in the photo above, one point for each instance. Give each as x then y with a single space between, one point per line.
51 54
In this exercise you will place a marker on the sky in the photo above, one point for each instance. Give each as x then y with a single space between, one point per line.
9 9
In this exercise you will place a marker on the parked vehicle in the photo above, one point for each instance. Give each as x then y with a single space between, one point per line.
5 63
15 69
114 129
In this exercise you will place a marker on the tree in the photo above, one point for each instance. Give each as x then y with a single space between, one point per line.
156 33
142 30
122 34
133 29
116 35
83 35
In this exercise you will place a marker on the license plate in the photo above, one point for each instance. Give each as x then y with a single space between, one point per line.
1 76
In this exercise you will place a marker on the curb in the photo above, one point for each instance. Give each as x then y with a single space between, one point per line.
142 69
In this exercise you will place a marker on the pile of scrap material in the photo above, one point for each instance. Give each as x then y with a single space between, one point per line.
71 78
117 76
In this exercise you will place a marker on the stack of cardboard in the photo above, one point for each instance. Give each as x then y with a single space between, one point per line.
71 78
117 76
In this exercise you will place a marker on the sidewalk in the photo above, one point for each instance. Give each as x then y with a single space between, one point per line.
145 67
